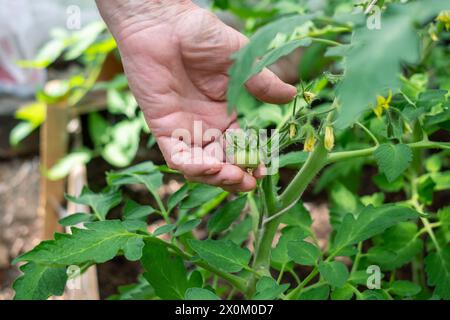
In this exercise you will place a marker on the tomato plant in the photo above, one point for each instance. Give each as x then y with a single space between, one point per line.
378 100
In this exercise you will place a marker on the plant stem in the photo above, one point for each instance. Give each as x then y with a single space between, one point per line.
344 155
315 162
372 136
294 293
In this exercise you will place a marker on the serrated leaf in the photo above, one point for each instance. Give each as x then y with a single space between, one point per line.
343 293
99 242
135 211
393 159
303 252
226 215
243 66
141 290
222 254
268 289
39 282
164 229
199 195
143 173
335 273
75 218
369 222
405 288
437 267
176 197
100 203
187 227
320 293
124 143
400 239
280 252
239 233
200 294
378 55
166 273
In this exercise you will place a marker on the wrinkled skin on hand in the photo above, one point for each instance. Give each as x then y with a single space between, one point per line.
177 70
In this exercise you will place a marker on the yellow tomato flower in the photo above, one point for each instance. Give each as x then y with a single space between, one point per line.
329 138
444 17
309 142
309 96
292 130
382 104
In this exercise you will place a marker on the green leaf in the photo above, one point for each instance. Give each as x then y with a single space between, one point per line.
370 221
293 159
444 215
164 229
303 253
222 254
243 66
437 267
343 293
141 290
335 273
84 38
280 252
405 288
99 129
124 144
226 215
382 183
99 242
378 55
400 239
47 54
135 211
380 255
75 218
393 160
200 294
39 282
187 227
239 233
145 173
34 112
273 55
199 195
268 289
63 167
320 293
298 216
166 273
176 197
21 131
100 203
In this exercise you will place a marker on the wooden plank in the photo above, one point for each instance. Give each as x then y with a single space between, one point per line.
53 146
85 286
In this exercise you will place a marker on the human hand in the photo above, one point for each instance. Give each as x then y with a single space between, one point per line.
176 57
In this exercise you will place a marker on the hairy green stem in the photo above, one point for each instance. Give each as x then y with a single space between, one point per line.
344 155
315 162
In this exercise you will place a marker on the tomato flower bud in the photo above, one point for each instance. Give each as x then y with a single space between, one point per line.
329 138
292 130
309 142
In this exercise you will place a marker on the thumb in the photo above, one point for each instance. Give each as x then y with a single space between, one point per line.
267 87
